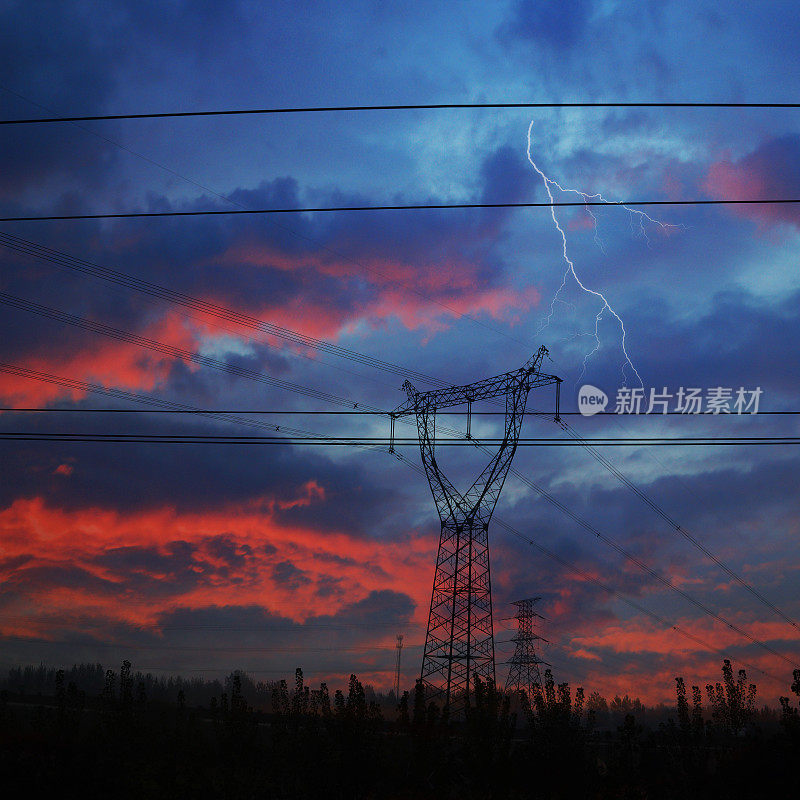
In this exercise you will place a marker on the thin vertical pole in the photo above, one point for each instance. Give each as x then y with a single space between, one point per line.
397 667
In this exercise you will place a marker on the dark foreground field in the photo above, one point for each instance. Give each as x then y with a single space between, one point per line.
120 743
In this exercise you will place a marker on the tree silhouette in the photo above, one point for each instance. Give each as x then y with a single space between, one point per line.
732 702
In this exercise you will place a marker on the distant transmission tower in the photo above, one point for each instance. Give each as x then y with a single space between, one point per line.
397 667
460 641
524 664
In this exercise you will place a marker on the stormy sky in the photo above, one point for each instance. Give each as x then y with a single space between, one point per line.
204 558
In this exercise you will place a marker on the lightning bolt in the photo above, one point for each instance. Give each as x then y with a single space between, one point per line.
606 307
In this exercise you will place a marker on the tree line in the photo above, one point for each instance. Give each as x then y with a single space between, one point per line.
117 732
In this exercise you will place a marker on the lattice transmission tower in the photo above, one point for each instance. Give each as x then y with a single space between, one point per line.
523 673
460 641
397 667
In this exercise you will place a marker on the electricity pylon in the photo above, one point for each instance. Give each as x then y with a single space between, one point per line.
460 641
524 673
397 667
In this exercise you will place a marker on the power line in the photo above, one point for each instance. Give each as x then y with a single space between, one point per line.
639 563
233 202
84 386
342 412
216 311
560 506
64 260
387 107
642 565
168 350
205 307
384 441
712 201
397 207
209 314
120 394
647 500
408 287
180 299
223 197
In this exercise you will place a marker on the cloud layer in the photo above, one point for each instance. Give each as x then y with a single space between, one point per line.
208 557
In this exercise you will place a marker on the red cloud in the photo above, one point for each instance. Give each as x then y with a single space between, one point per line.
640 641
100 360
52 537
234 554
311 492
458 290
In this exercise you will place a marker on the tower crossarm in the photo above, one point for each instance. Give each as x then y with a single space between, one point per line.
529 637
527 377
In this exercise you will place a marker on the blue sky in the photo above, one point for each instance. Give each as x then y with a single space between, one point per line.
111 548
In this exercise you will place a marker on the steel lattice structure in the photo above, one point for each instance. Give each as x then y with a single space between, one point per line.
397 667
460 640
524 673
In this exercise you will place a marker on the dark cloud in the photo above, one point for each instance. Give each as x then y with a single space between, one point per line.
172 558
559 26
67 65
287 575
172 569
257 267
726 345
383 606
330 587
226 637
505 176
135 477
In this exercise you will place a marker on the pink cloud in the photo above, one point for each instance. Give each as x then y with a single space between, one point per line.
770 172
581 221
420 296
